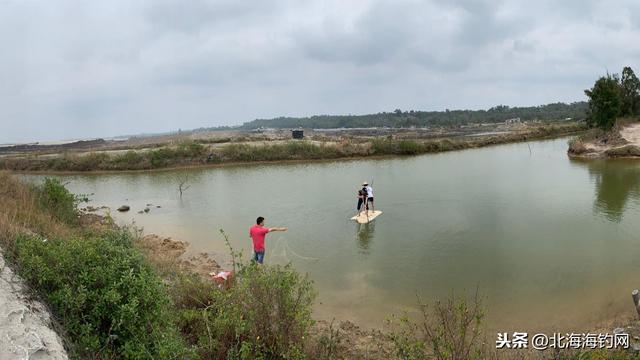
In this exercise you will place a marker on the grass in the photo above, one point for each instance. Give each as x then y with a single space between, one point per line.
189 152
266 314
450 331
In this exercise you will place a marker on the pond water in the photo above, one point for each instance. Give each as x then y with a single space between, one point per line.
550 243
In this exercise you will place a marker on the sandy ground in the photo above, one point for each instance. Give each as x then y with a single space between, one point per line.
162 251
25 325
631 133
165 251
628 135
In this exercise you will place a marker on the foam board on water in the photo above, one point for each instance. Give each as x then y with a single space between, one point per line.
364 218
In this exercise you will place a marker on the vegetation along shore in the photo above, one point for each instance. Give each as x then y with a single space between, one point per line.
193 151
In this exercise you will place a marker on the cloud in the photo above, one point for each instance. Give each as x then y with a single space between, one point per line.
75 69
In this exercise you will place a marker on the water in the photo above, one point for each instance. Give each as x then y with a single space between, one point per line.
551 244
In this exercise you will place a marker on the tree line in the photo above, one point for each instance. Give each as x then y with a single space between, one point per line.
412 118
613 96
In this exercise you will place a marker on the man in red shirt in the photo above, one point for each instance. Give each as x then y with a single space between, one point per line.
257 234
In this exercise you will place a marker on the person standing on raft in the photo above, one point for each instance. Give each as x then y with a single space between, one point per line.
257 233
369 190
362 199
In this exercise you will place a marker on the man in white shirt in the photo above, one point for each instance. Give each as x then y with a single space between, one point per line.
369 195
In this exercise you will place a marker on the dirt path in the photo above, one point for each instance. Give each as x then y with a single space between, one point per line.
25 325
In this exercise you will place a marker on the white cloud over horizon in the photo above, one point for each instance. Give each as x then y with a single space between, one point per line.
74 69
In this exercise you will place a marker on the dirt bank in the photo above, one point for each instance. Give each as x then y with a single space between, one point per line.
164 252
167 252
623 141
26 330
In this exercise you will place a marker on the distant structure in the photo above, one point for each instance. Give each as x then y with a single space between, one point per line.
512 121
297 134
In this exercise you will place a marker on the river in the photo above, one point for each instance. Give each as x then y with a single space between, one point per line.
551 244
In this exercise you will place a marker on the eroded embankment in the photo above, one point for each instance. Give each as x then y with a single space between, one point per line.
623 141
26 330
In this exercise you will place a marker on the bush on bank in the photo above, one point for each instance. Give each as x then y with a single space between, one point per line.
107 298
266 314
55 199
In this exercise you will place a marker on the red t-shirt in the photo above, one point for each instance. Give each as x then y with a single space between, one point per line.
258 233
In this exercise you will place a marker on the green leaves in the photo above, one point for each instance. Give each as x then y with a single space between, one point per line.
630 93
265 314
604 102
612 96
58 201
108 299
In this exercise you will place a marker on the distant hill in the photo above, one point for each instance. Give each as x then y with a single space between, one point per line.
398 118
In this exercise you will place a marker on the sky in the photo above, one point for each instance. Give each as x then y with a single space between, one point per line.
85 69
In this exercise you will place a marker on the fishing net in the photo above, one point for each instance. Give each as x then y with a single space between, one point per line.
283 250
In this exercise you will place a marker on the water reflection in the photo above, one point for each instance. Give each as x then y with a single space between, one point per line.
364 236
617 182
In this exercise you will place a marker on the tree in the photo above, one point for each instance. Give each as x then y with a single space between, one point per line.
630 93
183 180
604 102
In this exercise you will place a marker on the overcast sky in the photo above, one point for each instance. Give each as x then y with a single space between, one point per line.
77 69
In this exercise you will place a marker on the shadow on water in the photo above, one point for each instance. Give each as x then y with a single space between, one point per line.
617 182
364 236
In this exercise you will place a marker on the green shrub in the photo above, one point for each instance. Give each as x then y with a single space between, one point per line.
58 164
237 152
130 159
189 148
58 201
108 299
381 146
266 314
604 102
408 147
451 331
395 147
214 140
160 157
328 343
184 151
291 150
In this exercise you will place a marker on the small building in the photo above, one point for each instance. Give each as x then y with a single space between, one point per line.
297 134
